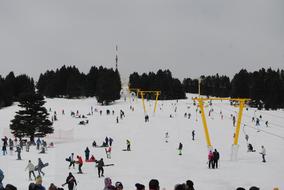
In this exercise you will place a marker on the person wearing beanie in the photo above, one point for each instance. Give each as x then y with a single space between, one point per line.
139 186
108 184
118 186
154 184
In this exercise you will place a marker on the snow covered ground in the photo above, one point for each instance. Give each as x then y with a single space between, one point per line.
151 157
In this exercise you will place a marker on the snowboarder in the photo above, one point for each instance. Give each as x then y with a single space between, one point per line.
180 149
31 169
216 157
71 181
87 153
80 162
128 145
100 165
40 165
263 153
193 134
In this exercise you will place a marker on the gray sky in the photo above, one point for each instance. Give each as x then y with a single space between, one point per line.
189 37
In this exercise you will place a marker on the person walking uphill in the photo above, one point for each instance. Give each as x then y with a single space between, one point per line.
100 165
71 181
40 165
87 153
31 169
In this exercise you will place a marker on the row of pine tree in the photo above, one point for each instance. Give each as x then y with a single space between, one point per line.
264 87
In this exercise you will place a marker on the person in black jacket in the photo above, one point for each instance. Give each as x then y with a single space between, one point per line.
100 165
71 181
216 157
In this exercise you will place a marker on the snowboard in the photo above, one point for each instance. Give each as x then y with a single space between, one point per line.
44 165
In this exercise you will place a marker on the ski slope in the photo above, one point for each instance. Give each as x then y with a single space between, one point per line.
151 157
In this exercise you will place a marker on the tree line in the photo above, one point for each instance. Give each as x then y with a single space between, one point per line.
12 87
171 88
264 87
69 82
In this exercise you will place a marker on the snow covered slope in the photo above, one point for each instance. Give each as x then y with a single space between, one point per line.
151 157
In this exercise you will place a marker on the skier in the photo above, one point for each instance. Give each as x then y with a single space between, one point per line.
40 165
210 159
266 123
263 153
71 160
216 157
71 181
180 148
128 145
80 162
31 169
19 150
146 118
87 153
100 165
193 134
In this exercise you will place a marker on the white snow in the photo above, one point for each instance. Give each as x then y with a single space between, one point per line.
151 157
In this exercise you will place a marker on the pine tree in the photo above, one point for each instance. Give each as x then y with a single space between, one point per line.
32 120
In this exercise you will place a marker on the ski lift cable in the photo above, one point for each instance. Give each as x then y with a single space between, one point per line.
249 116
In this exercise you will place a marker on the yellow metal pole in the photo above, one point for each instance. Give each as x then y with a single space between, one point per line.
157 96
200 101
143 103
242 103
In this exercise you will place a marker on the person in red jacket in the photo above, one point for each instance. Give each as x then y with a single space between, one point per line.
80 162
210 159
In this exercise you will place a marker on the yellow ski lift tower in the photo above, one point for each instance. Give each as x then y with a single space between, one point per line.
142 93
240 114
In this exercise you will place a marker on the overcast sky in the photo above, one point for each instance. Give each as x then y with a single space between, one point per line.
189 37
